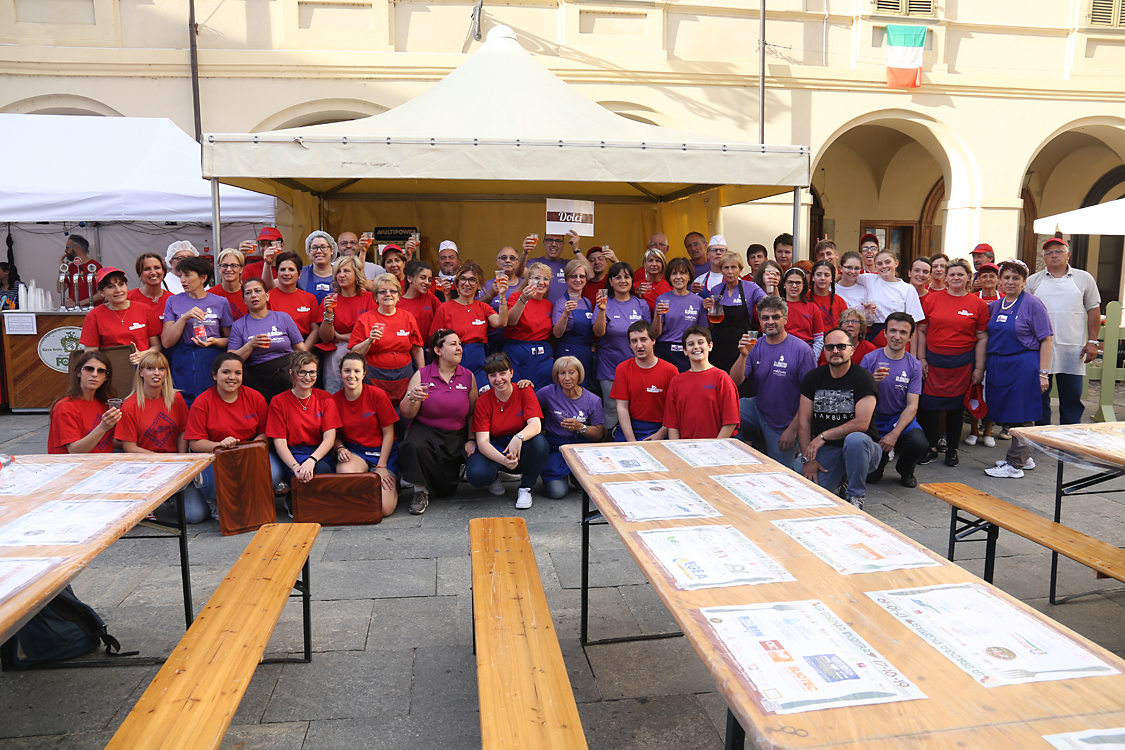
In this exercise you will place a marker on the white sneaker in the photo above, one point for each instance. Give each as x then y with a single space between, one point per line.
1029 465
1004 470
523 502
496 488
971 440
989 441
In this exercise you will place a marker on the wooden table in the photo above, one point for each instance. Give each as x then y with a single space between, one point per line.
958 712
19 607
1100 447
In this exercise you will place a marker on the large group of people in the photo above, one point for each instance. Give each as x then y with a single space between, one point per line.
429 376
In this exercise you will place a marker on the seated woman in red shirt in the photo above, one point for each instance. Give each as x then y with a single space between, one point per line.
81 422
303 422
366 439
120 322
225 415
507 424
804 319
151 271
390 340
154 418
419 299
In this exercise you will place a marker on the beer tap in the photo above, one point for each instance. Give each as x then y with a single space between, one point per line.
74 279
91 273
62 285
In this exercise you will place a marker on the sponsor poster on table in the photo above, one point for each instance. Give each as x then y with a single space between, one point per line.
1091 739
617 459
798 656
658 500
992 641
63 522
701 557
774 491
130 477
17 572
854 544
698 453
24 479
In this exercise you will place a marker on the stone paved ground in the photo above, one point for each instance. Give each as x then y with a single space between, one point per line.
394 666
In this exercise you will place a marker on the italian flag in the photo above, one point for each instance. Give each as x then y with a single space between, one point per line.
904 56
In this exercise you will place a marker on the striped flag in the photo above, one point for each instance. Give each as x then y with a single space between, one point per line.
904 56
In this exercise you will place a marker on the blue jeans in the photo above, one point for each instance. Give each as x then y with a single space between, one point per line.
857 457
1070 399
481 471
752 419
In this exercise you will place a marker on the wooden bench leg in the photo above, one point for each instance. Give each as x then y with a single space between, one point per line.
303 586
736 735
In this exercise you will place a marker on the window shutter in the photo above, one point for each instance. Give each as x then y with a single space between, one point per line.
920 7
1101 12
891 7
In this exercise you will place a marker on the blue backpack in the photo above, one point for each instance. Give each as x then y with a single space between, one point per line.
63 629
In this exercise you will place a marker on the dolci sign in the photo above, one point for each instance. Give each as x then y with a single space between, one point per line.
564 215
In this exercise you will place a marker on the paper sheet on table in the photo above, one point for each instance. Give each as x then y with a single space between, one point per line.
800 657
617 459
26 478
853 544
63 522
774 491
129 477
992 641
710 453
701 557
17 572
1089 439
1091 739
658 500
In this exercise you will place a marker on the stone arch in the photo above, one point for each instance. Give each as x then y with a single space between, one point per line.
60 104
318 112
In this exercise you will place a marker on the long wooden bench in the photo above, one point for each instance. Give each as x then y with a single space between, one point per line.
992 514
525 695
192 700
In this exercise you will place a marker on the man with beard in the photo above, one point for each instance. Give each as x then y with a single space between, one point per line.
78 261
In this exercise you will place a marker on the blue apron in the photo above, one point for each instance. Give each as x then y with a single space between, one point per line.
578 340
191 368
641 430
1012 386
472 359
531 360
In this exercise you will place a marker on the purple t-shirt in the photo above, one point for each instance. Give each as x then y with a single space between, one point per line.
216 308
557 290
905 377
584 311
613 347
284 335
698 269
1033 323
447 407
683 313
557 406
776 372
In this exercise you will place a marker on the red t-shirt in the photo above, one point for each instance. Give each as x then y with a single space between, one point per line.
469 321
804 320
75 266
521 406
953 321
136 295
302 426
399 337
659 288
213 419
156 426
535 321
347 312
364 419
72 420
104 327
237 304
829 311
254 271
422 308
700 403
299 305
645 390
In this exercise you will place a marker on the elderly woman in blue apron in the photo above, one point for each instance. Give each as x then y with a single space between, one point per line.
1019 355
196 328
573 319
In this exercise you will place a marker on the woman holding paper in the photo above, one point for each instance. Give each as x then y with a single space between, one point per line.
574 321
81 421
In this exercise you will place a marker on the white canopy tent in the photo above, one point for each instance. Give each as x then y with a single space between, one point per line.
1104 218
500 129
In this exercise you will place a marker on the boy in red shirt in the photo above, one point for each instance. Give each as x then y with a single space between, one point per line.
702 402
640 386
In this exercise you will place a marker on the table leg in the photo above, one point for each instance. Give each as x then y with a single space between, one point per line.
185 568
583 632
736 735
306 610
990 552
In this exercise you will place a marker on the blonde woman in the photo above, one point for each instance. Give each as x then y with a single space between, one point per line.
230 265
528 343
339 312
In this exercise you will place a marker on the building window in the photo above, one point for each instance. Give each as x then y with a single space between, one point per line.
1107 13
917 8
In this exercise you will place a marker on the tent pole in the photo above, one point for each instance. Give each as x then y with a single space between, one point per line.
762 73
216 229
797 252
192 32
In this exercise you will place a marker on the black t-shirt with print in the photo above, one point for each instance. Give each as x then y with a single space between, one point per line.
834 399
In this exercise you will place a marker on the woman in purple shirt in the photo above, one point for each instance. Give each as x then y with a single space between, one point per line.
676 311
573 319
264 339
439 398
617 309
571 414
196 326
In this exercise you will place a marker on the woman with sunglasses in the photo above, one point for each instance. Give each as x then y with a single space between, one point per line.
419 299
317 277
573 317
303 422
389 339
264 339
81 422
340 311
528 339
231 262
438 402
196 327
120 321
298 304
617 309
366 438
471 318
676 311
804 319
151 271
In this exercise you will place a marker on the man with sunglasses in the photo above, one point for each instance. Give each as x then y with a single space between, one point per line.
836 425
552 258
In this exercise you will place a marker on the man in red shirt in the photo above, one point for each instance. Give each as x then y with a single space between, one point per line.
640 386
78 261
702 402
266 237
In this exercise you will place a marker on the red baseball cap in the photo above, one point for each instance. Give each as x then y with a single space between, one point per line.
103 272
1056 241
867 237
983 247
269 234
989 267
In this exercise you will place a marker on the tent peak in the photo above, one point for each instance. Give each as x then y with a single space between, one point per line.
496 33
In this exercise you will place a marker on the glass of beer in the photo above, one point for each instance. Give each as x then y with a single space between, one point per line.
330 302
753 338
534 239
365 240
883 368
716 313
263 341
425 388
378 326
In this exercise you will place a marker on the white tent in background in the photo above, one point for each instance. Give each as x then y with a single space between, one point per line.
1102 219
66 168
